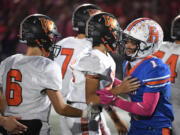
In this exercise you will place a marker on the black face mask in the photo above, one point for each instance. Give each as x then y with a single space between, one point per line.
54 52
129 58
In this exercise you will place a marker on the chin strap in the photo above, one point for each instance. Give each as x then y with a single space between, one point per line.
46 54
107 45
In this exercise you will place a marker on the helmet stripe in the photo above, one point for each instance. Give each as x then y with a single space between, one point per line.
136 22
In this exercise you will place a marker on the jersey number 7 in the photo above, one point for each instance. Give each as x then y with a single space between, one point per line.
171 62
13 89
68 52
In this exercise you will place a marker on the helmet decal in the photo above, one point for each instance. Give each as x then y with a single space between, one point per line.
136 22
47 24
109 21
153 35
93 11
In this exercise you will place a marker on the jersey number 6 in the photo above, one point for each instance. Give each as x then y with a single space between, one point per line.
13 89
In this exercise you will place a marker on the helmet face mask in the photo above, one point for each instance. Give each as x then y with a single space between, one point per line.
146 34
39 30
81 15
103 28
175 28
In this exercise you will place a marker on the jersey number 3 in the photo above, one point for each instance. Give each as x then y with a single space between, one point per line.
13 89
171 62
68 52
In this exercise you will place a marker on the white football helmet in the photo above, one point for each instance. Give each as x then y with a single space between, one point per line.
147 34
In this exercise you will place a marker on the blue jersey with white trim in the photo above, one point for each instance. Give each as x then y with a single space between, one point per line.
155 77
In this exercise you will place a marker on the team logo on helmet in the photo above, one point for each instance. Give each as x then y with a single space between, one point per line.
153 34
110 21
93 11
47 25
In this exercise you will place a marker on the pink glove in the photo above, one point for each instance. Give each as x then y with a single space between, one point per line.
106 96
116 82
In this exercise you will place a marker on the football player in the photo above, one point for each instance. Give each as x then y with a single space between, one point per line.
91 66
31 82
169 52
70 48
150 107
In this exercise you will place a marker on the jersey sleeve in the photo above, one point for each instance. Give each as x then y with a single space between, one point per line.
52 77
157 78
2 66
2 70
91 64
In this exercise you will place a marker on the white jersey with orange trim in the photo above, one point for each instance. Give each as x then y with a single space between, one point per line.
91 62
169 52
70 48
24 79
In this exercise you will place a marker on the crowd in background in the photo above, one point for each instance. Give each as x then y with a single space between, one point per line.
12 13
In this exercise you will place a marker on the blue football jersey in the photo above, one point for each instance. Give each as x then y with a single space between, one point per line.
155 77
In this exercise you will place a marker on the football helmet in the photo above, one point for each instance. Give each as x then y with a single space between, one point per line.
103 28
82 14
146 34
175 28
39 30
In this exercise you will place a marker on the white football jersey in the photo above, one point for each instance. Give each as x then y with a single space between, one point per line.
70 48
23 79
169 52
90 61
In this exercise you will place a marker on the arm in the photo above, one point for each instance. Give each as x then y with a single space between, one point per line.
120 125
61 107
145 108
2 102
92 83
91 96
10 123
